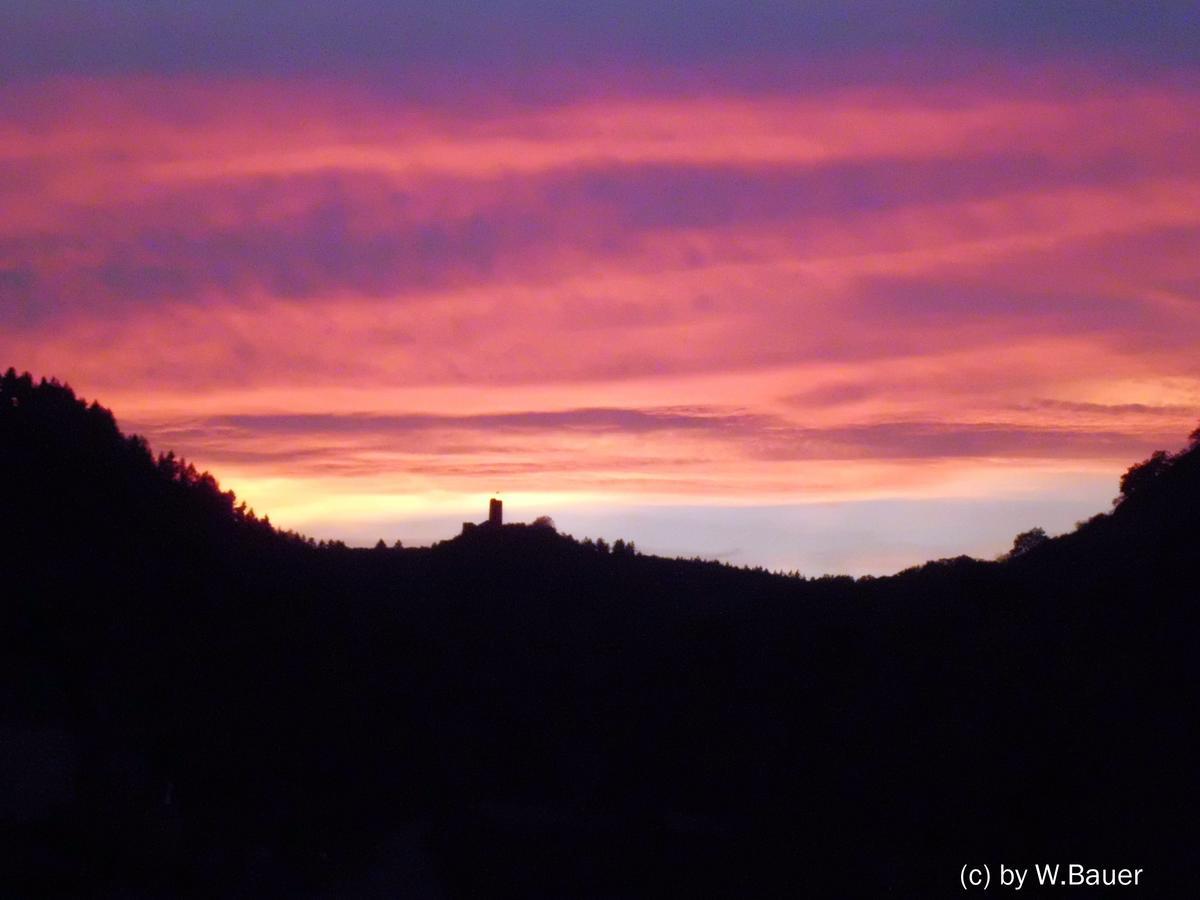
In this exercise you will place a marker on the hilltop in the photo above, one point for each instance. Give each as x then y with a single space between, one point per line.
197 703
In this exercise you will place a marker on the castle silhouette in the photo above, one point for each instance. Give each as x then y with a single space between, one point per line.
494 520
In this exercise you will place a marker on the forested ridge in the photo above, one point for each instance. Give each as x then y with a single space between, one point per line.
195 703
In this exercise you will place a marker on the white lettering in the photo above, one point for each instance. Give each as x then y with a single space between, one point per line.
1046 875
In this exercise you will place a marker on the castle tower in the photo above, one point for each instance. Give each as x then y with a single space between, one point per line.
496 512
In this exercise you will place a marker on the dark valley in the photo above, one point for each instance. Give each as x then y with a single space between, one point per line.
197 704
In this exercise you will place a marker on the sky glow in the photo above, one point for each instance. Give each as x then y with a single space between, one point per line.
816 289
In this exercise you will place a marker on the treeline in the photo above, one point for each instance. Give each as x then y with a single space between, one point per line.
197 704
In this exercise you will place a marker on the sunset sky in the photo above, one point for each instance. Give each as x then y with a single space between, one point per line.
836 287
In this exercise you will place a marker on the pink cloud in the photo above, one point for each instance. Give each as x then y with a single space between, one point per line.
873 290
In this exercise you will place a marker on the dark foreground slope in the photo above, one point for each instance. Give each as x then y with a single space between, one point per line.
193 704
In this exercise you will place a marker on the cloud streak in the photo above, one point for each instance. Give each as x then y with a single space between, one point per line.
410 39
581 255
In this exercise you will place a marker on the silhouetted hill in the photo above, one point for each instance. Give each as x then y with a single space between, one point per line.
196 704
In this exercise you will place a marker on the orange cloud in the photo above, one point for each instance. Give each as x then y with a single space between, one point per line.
727 299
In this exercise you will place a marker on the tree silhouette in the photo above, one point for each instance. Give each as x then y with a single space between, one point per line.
1027 540
1142 474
